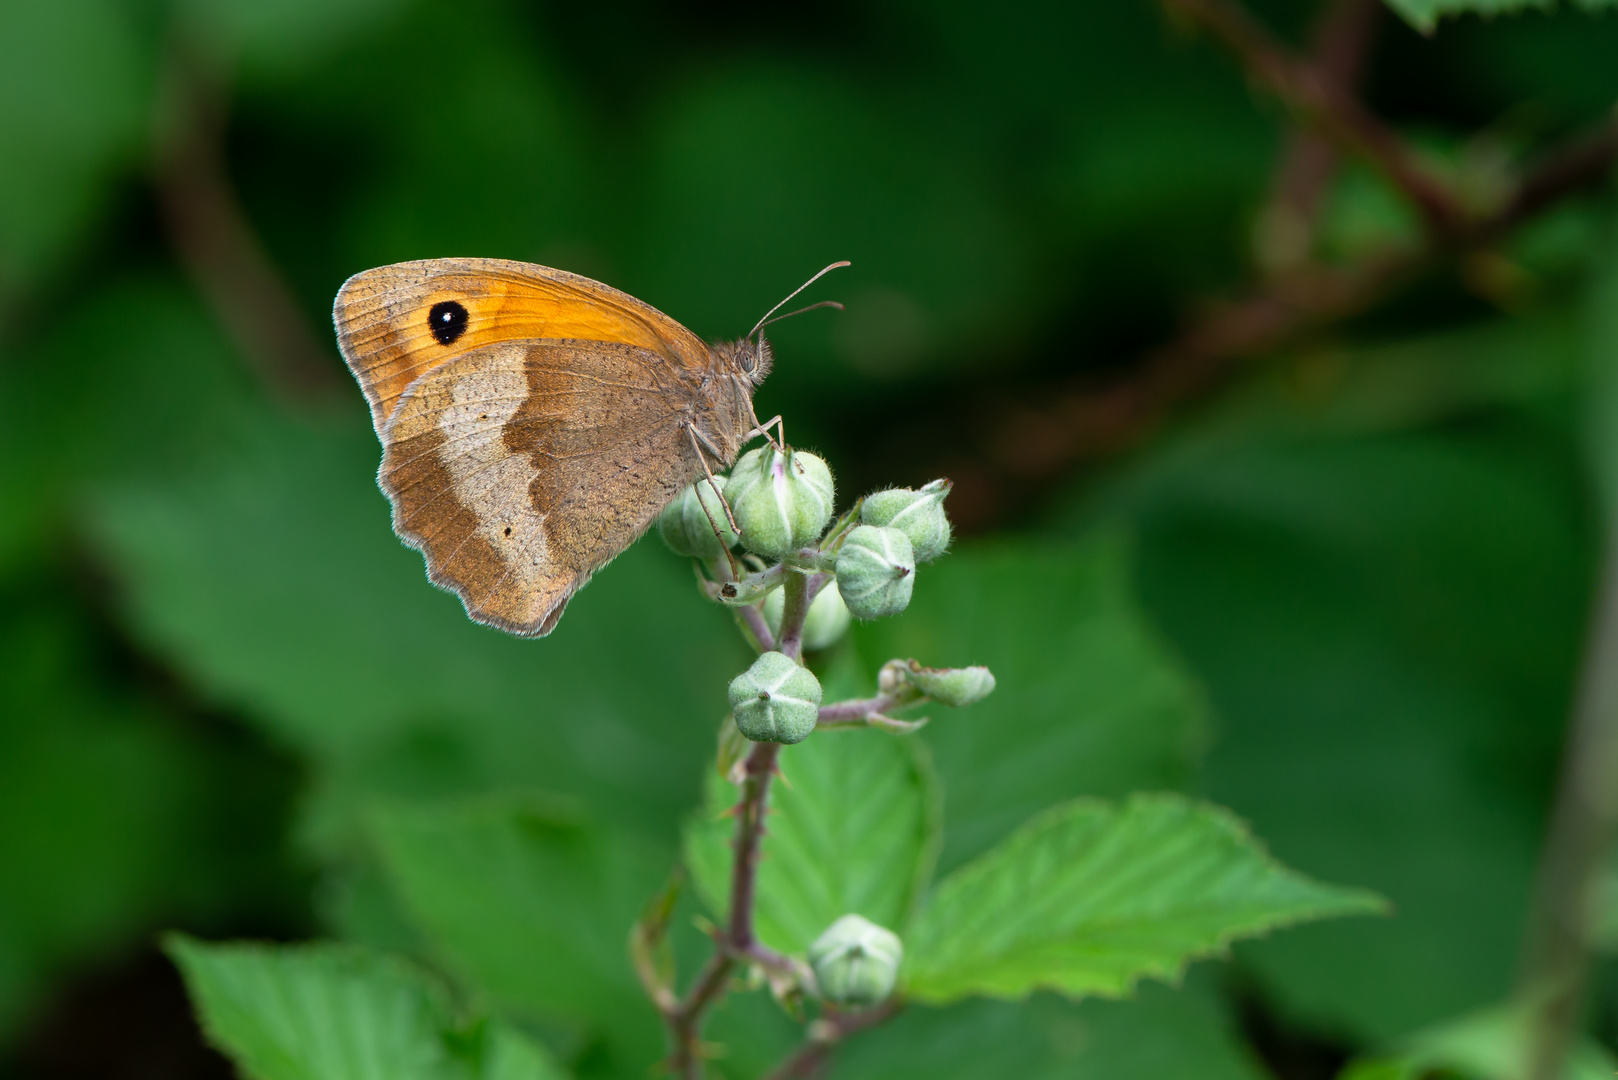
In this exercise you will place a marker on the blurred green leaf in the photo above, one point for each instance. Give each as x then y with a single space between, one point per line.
75 83
1163 1033
1424 14
1388 627
119 814
327 1012
280 37
1087 700
918 218
133 382
1490 1045
853 828
535 193
272 579
533 908
1089 898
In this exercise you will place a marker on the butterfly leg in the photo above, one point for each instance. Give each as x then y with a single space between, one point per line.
763 429
697 441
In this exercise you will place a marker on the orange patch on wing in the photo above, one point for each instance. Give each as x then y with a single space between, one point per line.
382 319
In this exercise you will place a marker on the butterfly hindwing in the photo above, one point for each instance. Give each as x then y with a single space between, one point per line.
519 468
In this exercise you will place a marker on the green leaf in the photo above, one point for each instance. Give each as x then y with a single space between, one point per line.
1490 1045
1424 14
74 102
328 1012
121 811
1087 701
853 828
531 906
318 624
1089 898
1162 1033
1386 679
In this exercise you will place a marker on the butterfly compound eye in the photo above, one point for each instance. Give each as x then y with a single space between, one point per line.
747 361
447 321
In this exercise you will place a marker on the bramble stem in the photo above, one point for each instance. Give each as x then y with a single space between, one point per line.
736 942
826 1033
796 594
857 712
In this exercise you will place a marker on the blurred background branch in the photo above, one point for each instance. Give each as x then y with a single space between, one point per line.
217 242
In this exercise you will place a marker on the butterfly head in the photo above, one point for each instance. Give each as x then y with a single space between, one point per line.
747 358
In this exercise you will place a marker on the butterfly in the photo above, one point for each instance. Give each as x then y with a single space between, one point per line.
535 422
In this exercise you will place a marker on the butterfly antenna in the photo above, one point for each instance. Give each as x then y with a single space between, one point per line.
800 311
834 266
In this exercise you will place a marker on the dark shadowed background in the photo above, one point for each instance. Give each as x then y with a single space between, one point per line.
1313 435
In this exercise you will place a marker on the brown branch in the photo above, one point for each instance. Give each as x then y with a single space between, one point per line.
1322 102
218 245
1286 226
1035 441
1584 826
825 1035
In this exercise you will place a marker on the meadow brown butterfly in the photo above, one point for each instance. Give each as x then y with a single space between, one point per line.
534 422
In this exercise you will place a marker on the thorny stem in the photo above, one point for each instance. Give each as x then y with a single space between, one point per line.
1583 828
737 941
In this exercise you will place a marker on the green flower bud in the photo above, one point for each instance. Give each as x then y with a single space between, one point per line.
876 571
918 514
856 962
827 620
951 686
687 528
782 502
775 700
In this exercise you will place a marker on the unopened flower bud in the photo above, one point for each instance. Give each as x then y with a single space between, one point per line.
826 621
856 962
687 524
781 501
775 700
876 571
918 514
951 686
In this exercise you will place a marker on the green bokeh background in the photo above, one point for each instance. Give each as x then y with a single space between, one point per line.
1345 595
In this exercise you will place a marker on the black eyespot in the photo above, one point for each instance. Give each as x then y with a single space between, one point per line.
447 321
508 530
